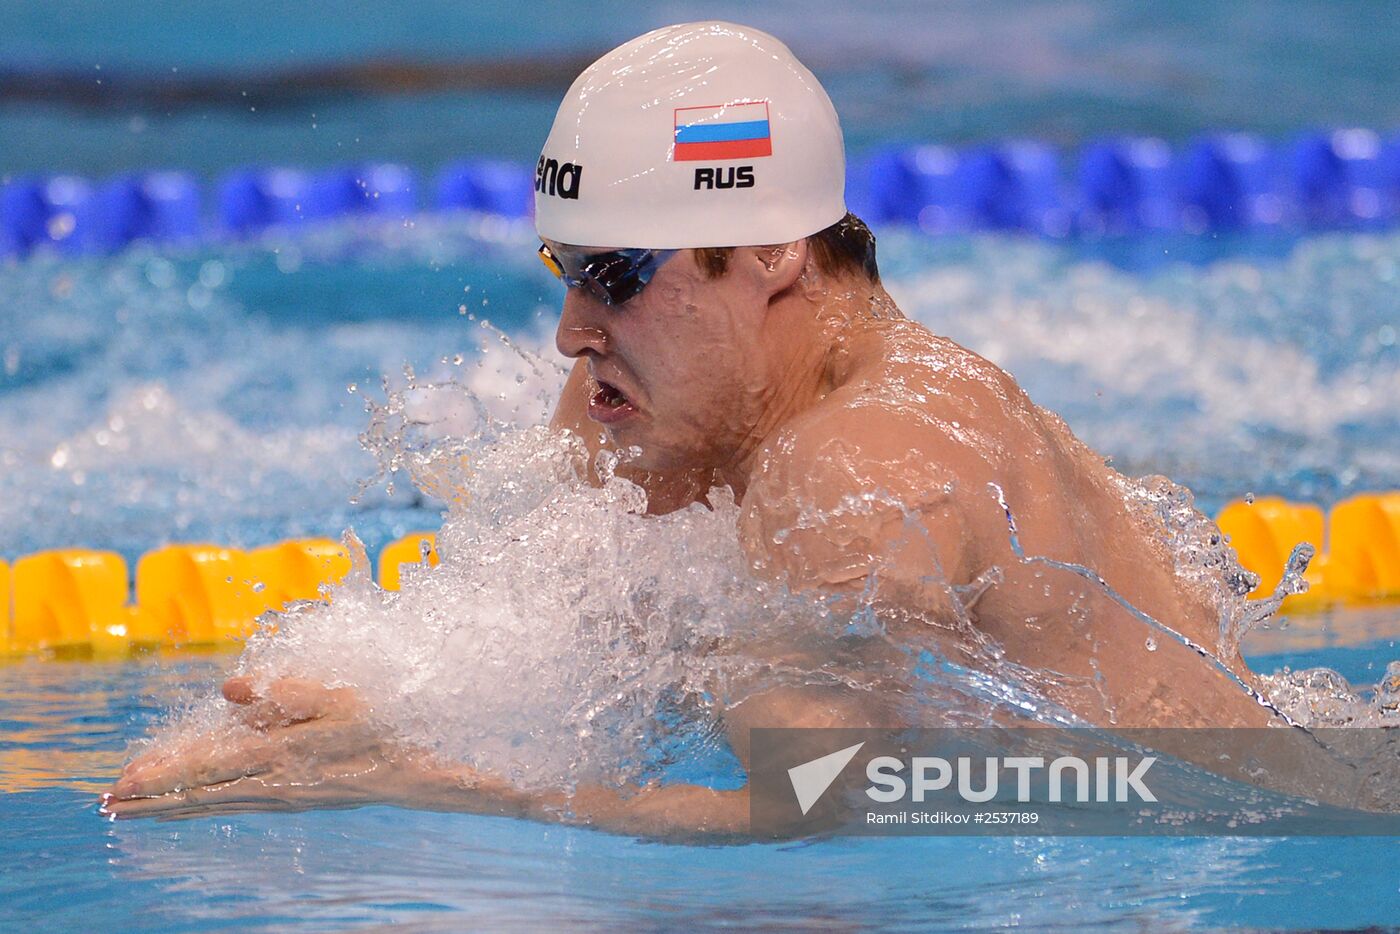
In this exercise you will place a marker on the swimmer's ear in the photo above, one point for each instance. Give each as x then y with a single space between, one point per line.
773 268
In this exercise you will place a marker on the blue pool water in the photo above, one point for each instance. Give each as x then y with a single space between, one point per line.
965 71
201 394
66 726
152 397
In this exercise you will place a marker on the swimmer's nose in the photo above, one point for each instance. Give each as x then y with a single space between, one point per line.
581 325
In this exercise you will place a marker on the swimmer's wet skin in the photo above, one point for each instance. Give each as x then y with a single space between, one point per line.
730 330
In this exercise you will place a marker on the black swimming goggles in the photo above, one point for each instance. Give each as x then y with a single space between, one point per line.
612 278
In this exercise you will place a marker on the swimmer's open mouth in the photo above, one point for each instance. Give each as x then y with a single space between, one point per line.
609 404
609 395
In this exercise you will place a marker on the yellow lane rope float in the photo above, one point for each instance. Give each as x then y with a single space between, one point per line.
1358 547
74 602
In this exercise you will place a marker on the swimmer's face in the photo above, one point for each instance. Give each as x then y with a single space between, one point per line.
684 370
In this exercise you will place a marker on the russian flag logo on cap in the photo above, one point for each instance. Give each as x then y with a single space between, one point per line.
724 131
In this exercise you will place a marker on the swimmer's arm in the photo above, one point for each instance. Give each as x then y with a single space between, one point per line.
677 810
311 747
652 811
302 745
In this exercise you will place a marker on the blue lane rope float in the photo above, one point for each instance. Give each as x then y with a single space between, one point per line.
491 187
74 215
1343 179
254 199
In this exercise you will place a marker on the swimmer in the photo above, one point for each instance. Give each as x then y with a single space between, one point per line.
729 328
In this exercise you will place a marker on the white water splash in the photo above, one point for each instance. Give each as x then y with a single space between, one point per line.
560 625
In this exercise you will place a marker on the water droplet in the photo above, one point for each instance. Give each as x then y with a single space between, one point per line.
212 274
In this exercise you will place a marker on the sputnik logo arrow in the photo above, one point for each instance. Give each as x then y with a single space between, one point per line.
810 780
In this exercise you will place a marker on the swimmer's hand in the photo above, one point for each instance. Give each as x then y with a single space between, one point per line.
301 745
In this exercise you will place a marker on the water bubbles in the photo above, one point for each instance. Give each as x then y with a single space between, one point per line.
61 225
1321 697
1388 689
559 612
288 259
160 273
1222 376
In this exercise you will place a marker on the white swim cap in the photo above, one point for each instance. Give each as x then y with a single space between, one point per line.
696 135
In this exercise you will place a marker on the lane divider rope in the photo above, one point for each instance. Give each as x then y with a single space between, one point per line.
75 603
1340 179
1357 542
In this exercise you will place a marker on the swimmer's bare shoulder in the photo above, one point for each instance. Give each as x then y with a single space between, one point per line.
893 464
